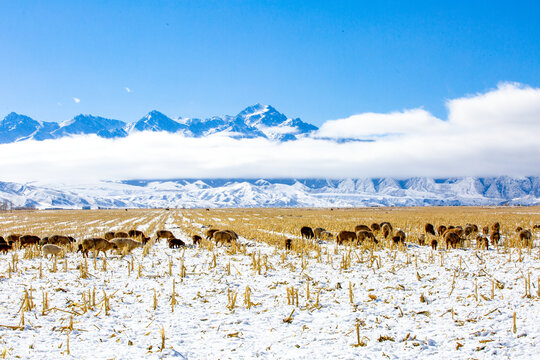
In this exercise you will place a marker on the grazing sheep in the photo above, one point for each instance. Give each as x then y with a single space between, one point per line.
317 232
482 242
364 235
126 244
233 234
401 234
475 228
421 239
345 236
496 227
468 230
176 243
288 244
51 249
109 235
5 247
327 235
456 230
164 234
196 239
224 237
495 237
525 236
485 230
375 227
441 229
121 234
386 229
29 240
429 229
452 239
434 244
306 232
397 240
388 225
97 244
358 228
210 233
13 238
136 234
58 240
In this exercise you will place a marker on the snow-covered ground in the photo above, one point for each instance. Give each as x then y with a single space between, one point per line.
416 303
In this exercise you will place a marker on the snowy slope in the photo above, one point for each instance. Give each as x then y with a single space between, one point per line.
277 193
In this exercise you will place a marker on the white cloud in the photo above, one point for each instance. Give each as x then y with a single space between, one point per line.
486 134
128 89
77 100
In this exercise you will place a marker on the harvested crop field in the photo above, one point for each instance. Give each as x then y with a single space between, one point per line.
256 298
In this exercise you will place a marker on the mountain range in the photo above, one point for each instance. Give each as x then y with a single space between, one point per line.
212 193
257 121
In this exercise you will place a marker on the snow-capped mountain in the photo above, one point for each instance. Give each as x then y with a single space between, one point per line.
255 121
277 192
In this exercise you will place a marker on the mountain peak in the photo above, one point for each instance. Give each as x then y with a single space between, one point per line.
157 121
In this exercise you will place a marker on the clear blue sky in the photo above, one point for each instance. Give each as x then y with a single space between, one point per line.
317 60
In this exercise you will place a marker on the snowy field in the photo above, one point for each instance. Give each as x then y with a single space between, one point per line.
260 300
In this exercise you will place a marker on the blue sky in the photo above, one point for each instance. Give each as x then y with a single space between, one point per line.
318 60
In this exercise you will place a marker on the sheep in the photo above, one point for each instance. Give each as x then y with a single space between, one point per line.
317 232
126 244
429 229
121 234
5 247
327 235
485 230
495 237
468 230
288 244
134 234
358 228
496 226
386 229
224 236
441 229
29 240
56 240
525 236
175 243
434 244
345 236
482 242
13 238
421 239
109 235
196 239
364 235
397 240
518 229
402 235
388 225
456 230
233 234
97 244
375 227
164 234
51 249
210 233
452 239
306 232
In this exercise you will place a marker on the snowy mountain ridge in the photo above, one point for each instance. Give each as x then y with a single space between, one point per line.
215 193
255 121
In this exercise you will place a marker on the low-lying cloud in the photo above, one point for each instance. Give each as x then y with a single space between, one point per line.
494 133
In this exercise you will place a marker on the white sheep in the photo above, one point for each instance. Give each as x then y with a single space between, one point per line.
53 250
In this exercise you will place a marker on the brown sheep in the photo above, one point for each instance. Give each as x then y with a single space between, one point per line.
496 227
485 230
525 236
176 243
196 239
327 235
97 244
518 229
441 229
134 234
164 234
386 229
401 234
210 233
13 238
452 239
468 230
364 235
5 248
375 227
345 236
224 237
306 232
121 234
397 240
358 228
482 242
317 232
456 230
429 229
434 244
495 237
109 235
126 244
474 228
29 240
58 240
233 234
288 244
388 225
